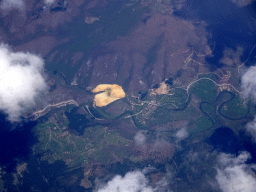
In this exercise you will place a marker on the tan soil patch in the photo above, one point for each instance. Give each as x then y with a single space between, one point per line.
163 89
111 93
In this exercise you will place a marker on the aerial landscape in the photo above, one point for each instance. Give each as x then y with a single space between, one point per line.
128 95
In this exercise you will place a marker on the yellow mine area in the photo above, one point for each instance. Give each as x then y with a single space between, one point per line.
111 93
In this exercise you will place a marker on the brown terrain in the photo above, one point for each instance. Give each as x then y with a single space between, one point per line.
32 29
158 48
159 152
154 51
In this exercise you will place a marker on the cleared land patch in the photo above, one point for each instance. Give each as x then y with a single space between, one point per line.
111 93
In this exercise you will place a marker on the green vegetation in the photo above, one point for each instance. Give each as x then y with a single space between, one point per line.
210 110
56 142
122 152
138 121
160 109
97 143
101 138
139 108
223 97
61 144
203 123
101 113
164 115
205 90
235 108
177 98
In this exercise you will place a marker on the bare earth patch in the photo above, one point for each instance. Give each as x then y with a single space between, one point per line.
111 93
163 89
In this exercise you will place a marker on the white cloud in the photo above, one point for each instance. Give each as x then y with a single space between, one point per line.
140 138
249 92
182 134
242 3
160 142
9 4
49 2
251 128
163 184
132 182
148 170
249 83
21 81
234 175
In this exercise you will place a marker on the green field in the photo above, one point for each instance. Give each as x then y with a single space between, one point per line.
202 123
235 108
177 98
210 110
204 90
57 142
164 115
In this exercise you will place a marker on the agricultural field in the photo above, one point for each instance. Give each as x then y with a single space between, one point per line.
74 141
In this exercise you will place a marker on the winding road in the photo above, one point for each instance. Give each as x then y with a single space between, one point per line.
40 113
